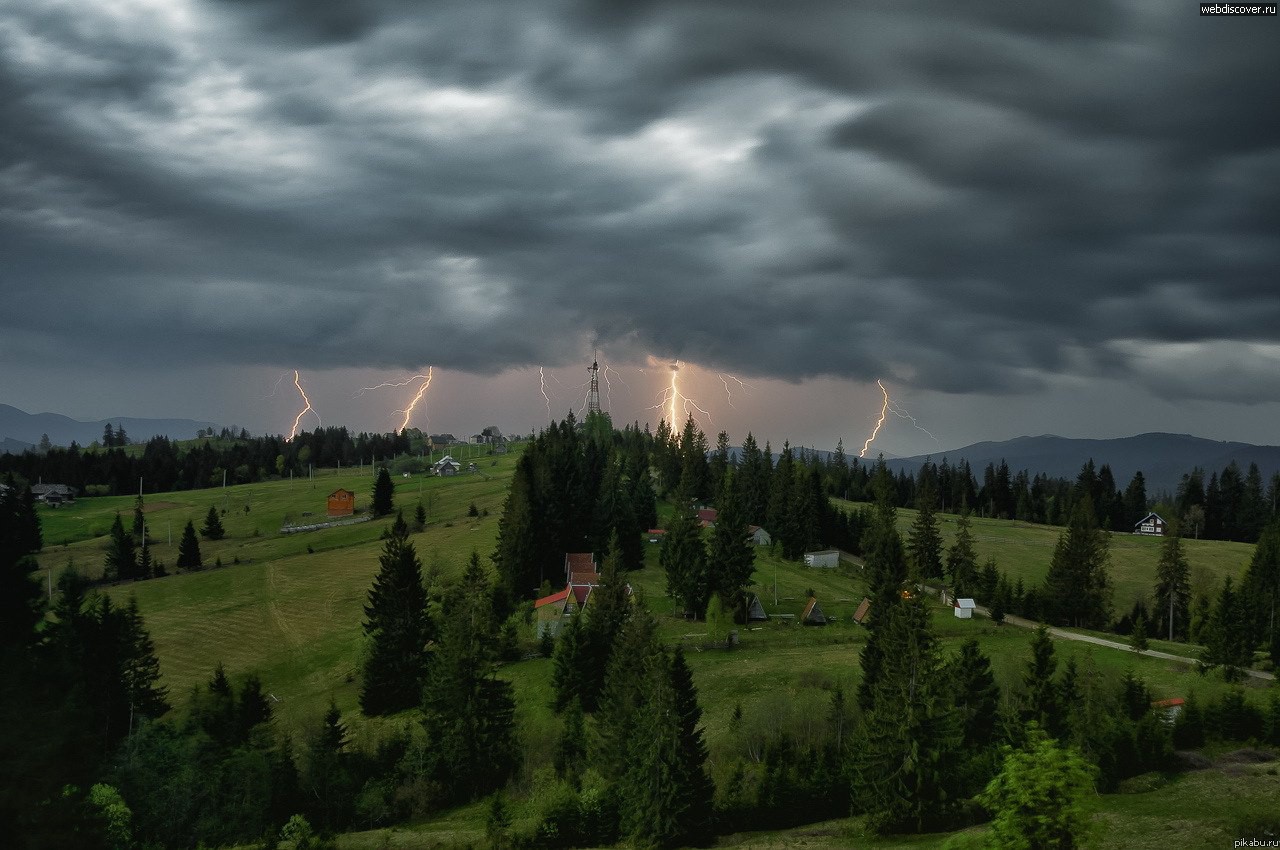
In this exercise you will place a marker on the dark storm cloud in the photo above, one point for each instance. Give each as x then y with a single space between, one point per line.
969 198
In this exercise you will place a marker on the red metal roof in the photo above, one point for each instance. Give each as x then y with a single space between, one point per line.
555 597
707 514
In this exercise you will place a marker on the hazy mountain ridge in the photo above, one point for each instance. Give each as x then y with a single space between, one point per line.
1163 458
18 426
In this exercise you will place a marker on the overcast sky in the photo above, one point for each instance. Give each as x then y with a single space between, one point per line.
1023 218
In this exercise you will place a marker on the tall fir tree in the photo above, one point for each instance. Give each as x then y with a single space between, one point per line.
121 563
467 712
962 559
139 520
924 543
731 560
398 628
1042 699
604 619
625 694
1262 590
1172 605
1077 588
684 556
886 574
383 493
189 549
908 772
1226 635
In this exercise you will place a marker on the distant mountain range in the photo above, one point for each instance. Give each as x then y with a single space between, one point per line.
1162 458
20 430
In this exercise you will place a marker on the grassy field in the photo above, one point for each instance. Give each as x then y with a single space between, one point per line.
290 607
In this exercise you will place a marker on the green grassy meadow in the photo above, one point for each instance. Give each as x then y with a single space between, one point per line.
290 608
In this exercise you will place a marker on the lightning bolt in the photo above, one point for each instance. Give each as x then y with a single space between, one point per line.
297 419
408 411
608 385
276 388
727 391
883 412
670 395
902 414
542 385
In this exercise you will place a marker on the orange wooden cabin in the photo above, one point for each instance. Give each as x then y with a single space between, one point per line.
342 503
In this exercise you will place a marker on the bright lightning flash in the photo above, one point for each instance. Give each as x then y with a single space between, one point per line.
542 385
297 419
884 409
608 385
408 411
670 396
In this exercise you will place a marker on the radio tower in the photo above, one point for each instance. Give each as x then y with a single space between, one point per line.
593 395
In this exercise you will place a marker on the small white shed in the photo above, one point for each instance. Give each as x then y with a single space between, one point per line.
827 559
964 608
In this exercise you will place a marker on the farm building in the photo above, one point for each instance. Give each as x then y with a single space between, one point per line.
446 466
755 611
864 608
759 536
342 503
53 494
581 568
1151 524
826 559
707 517
964 609
552 611
813 615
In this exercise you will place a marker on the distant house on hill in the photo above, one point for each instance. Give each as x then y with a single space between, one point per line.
342 503
446 466
759 536
813 615
53 495
1151 525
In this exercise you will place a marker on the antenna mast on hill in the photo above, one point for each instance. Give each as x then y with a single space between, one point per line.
593 396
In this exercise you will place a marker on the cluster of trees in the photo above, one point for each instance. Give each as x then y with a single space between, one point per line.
128 552
642 775
72 687
573 489
113 438
165 466
1231 506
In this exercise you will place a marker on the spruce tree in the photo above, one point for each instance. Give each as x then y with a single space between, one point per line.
139 520
571 752
397 628
684 556
1173 590
1042 701
520 557
212 525
975 694
121 563
962 560
731 561
189 549
419 518
1262 590
625 694
467 712
1225 636
1138 640
691 768
610 607
383 493
146 567
21 602
924 544
140 668
1037 800
908 772
1077 588
568 665
886 575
